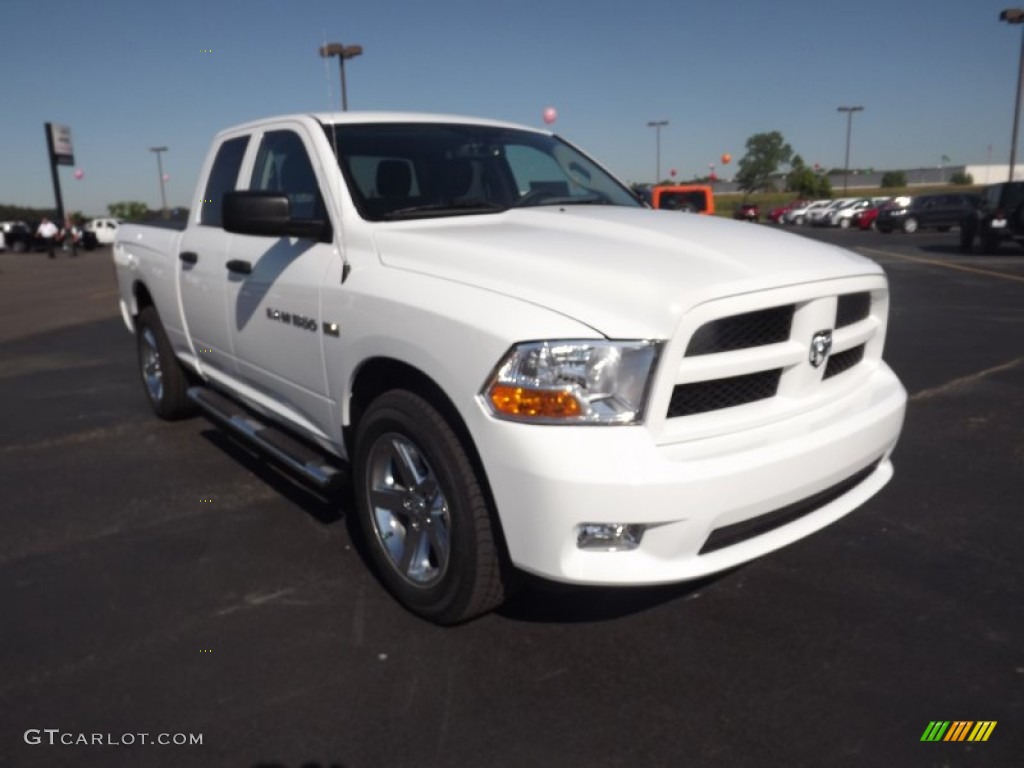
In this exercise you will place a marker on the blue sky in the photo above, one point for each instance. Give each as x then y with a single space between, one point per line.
935 78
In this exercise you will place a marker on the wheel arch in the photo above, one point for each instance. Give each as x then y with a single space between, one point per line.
377 375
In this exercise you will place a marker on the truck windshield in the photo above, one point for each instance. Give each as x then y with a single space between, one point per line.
418 170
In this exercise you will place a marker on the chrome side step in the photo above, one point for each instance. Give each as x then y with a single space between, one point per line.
294 454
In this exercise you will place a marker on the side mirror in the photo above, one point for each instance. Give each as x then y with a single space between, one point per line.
269 214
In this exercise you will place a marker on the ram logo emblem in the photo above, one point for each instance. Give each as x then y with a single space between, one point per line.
821 345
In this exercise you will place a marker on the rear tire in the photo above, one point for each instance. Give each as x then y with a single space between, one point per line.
424 513
163 378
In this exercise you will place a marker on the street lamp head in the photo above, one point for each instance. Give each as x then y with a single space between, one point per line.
158 149
849 109
344 51
1012 16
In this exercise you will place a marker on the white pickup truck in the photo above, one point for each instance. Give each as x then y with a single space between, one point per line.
520 367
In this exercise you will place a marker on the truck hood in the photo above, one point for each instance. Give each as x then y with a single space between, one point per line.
625 272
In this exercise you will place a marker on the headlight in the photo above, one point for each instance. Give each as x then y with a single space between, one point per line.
573 382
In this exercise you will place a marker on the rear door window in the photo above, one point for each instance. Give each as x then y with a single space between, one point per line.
223 178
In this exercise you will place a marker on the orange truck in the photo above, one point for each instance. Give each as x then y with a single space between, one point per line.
692 198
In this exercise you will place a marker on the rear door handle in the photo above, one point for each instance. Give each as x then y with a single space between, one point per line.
237 265
189 257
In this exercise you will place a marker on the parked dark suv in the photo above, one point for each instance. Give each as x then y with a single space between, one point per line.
941 212
998 216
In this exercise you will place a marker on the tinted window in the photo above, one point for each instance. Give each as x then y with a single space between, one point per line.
674 201
223 177
282 165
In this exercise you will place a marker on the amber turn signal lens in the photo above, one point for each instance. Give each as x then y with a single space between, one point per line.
520 401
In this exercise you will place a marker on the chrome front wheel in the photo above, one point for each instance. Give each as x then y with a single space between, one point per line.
410 513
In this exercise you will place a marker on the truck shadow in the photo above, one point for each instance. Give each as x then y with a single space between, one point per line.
535 600
540 601
326 507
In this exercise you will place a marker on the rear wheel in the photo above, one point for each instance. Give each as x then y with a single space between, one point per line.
163 378
423 512
844 223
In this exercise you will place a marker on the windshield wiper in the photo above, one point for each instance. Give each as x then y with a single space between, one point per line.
444 209
541 197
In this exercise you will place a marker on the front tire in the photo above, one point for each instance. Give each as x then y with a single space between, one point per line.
163 378
910 225
424 513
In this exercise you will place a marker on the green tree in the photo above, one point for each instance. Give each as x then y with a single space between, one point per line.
129 210
892 179
961 179
805 182
765 153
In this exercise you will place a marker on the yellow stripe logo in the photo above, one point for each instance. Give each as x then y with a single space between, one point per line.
958 730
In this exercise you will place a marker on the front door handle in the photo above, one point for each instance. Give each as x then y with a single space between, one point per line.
242 267
189 257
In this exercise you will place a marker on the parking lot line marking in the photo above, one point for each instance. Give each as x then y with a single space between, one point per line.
961 267
926 393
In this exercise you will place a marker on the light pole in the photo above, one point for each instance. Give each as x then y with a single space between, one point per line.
342 52
657 125
849 125
1015 16
160 172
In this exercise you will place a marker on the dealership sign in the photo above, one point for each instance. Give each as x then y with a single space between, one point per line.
60 137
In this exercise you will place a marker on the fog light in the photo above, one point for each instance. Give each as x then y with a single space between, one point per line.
609 537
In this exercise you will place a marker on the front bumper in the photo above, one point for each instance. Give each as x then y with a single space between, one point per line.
547 481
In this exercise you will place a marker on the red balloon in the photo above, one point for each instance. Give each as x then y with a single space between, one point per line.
726 158
79 173
672 172
550 115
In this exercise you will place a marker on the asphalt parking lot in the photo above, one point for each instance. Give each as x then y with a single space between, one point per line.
158 578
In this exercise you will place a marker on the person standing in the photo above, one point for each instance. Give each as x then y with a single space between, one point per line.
46 232
70 236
